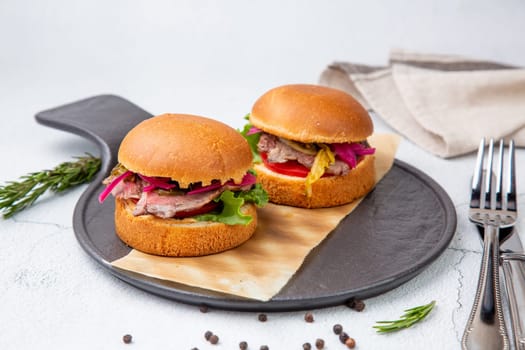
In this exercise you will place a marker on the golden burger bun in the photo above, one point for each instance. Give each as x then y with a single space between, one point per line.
311 113
179 237
187 149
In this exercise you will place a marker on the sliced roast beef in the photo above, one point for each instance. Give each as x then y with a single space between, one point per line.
128 189
266 142
167 206
279 152
338 168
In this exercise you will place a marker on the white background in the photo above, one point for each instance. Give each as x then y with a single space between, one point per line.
212 58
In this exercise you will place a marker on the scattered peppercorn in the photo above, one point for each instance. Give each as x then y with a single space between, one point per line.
309 317
263 317
307 346
350 343
264 347
338 329
243 345
194 348
214 339
319 344
343 337
203 308
208 335
127 338
356 304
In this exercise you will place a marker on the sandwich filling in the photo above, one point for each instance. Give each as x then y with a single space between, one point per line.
162 197
311 161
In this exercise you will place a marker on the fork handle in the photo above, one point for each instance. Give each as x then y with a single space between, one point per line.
514 272
486 327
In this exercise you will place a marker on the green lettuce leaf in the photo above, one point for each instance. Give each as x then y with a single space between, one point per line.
256 195
232 203
253 139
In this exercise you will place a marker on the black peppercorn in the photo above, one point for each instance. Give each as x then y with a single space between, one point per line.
343 337
338 329
243 345
307 346
350 343
203 308
264 347
356 304
359 306
319 344
214 339
127 338
262 317
309 317
208 335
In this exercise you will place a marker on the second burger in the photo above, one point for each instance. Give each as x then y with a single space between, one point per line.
310 146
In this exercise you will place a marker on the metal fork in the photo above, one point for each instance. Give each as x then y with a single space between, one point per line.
486 327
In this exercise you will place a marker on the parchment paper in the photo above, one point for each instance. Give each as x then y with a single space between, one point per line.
263 265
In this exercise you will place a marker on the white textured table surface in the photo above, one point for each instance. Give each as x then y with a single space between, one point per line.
214 59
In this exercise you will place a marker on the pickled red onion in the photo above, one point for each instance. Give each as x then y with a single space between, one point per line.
157 182
248 179
112 185
148 188
348 152
201 189
253 130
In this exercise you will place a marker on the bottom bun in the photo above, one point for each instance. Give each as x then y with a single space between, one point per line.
179 237
326 192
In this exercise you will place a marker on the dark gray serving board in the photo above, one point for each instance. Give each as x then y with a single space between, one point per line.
403 225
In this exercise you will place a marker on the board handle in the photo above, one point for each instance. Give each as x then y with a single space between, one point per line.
103 119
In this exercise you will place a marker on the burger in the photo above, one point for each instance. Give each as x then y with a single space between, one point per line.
310 146
183 187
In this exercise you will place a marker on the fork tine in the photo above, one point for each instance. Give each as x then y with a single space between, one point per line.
488 175
511 180
499 175
475 197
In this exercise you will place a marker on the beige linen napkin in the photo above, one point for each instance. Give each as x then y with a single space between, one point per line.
444 104
263 265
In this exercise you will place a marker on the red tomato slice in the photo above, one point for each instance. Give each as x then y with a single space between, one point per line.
291 167
204 209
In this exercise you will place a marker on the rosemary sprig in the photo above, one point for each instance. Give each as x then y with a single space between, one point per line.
410 317
15 196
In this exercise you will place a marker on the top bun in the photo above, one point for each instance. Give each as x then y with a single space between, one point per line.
311 113
187 149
